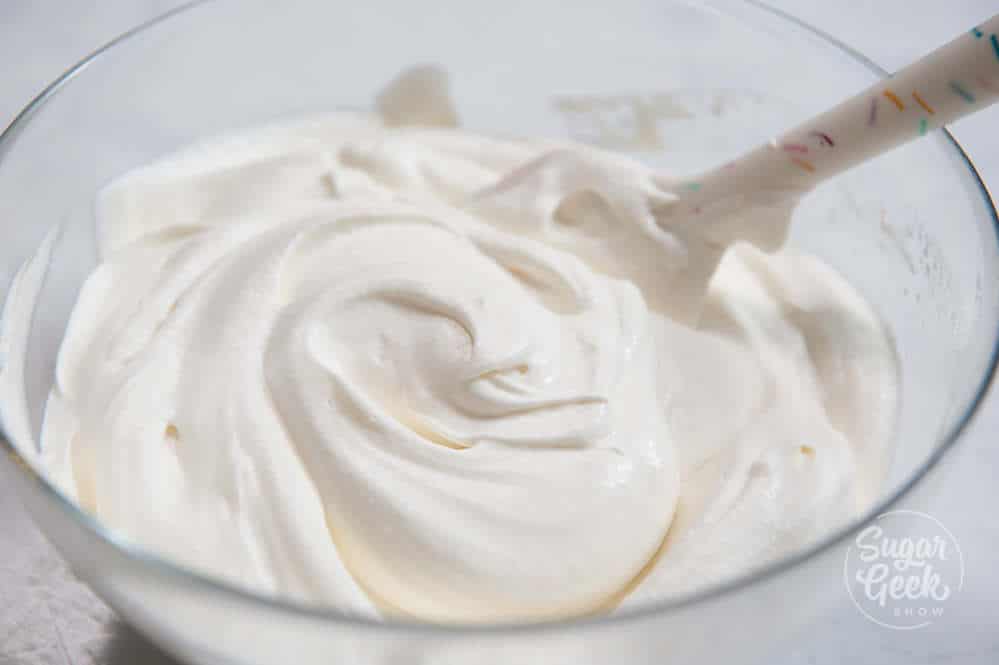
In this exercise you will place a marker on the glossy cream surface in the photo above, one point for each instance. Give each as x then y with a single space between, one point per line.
384 364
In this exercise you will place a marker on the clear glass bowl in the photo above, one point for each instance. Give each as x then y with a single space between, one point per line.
680 85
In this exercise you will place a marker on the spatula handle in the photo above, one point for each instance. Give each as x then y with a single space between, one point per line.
957 79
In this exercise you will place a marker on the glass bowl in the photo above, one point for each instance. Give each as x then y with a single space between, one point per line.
679 85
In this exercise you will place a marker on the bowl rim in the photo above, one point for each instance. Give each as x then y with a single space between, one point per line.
758 574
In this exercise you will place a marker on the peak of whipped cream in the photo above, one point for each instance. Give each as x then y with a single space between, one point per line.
408 370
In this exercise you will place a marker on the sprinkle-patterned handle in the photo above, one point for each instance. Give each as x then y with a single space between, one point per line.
953 81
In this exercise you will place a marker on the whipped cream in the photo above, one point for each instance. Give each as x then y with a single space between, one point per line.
415 371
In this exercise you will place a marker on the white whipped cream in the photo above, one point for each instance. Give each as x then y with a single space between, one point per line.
422 372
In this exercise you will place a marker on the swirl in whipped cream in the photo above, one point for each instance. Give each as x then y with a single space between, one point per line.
380 368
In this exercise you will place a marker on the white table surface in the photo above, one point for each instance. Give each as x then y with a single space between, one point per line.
48 618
